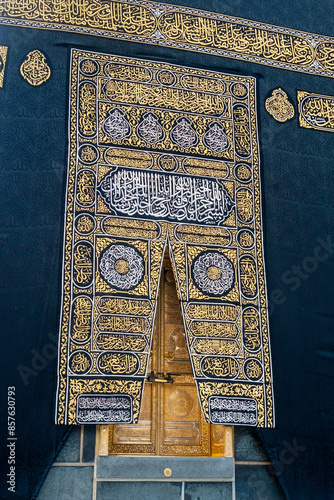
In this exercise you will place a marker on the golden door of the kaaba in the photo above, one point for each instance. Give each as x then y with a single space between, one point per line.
171 422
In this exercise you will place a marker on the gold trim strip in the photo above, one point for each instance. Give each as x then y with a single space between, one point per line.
182 28
3 57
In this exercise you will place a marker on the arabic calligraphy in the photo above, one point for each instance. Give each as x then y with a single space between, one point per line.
316 111
81 319
213 273
169 197
279 106
114 305
234 37
248 276
112 16
253 369
86 188
3 58
215 346
109 323
219 367
178 27
138 177
165 97
87 110
233 410
213 329
104 409
83 265
251 329
241 131
122 266
107 342
80 362
325 55
213 311
118 363
191 234
35 69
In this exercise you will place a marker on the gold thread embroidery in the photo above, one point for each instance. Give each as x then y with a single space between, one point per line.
222 264
181 27
3 58
316 111
35 68
279 106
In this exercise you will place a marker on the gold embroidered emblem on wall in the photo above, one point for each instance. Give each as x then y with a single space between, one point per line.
3 58
35 69
316 111
147 170
279 106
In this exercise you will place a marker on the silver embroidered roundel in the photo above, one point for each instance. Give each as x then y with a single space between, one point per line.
213 273
122 267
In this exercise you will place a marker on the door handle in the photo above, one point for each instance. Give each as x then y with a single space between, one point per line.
160 378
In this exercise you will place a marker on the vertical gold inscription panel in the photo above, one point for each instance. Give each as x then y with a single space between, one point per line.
171 422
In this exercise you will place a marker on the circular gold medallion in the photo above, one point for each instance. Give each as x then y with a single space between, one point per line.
121 266
168 472
214 273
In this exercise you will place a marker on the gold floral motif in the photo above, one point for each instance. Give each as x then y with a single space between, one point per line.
279 106
35 68
3 58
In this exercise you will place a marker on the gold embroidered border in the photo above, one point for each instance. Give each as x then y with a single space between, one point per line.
180 27
244 235
3 57
316 111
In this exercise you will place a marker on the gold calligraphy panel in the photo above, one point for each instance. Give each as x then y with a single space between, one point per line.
180 27
316 111
35 69
162 155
